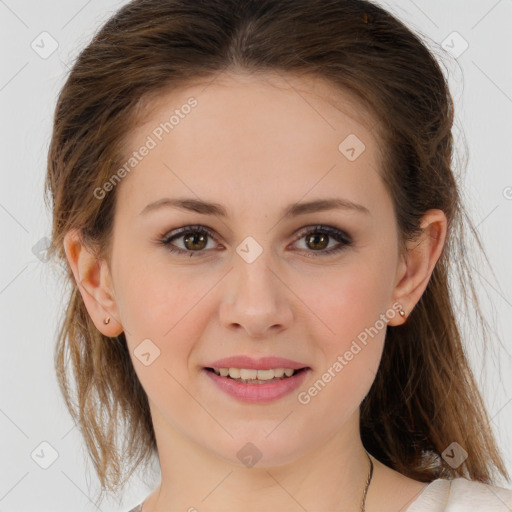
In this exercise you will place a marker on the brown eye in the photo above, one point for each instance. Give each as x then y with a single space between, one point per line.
195 240
319 238
317 241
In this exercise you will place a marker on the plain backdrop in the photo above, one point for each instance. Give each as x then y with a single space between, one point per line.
39 41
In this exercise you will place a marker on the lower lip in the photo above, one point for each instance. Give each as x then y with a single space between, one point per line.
258 393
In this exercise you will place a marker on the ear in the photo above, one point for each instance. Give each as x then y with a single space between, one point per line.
417 264
93 278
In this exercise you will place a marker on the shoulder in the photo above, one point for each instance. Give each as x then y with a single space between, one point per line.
462 495
480 496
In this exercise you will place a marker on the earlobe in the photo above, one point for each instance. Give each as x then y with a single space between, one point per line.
417 265
92 276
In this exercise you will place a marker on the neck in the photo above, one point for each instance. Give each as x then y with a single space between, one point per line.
330 475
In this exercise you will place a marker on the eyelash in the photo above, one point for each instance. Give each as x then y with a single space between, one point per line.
343 238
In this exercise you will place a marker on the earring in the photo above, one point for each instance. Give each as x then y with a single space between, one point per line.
402 313
107 320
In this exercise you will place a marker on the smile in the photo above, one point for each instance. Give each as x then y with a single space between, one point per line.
246 374
250 385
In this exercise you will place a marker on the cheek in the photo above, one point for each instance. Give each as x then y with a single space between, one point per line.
351 348
163 319
352 307
168 308
155 297
345 300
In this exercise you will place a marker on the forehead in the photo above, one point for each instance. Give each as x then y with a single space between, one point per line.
312 97
251 131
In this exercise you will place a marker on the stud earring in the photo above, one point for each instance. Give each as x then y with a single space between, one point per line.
107 320
402 313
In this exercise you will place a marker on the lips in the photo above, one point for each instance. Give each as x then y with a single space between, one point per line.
263 363
255 391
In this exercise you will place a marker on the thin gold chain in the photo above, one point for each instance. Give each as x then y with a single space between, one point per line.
363 503
370 474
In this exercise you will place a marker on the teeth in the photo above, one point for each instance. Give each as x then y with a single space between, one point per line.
234 373
250 374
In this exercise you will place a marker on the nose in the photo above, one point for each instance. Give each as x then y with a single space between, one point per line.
256 297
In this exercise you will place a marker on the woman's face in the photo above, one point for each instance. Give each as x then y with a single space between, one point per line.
259 283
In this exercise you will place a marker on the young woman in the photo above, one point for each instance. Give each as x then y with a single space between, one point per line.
254 202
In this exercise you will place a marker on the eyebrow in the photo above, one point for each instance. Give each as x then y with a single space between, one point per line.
293 210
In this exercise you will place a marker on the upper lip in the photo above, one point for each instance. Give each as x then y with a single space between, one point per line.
250 363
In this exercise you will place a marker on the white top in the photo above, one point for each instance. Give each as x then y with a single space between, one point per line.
462 495
457 495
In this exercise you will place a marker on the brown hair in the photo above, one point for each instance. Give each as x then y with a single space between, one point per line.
424 396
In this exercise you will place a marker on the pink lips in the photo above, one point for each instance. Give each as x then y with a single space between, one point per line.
257 393
263 363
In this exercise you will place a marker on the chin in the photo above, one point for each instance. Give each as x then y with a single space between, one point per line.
262 450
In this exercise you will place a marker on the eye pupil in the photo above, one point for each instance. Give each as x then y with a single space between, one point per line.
194 237
314 238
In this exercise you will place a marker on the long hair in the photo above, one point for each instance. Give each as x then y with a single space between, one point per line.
424 396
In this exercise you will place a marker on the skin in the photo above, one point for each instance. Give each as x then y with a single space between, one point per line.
256 144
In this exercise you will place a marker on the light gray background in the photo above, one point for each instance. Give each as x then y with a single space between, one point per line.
31 408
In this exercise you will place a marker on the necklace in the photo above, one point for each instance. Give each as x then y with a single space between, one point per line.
370 474
363 503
